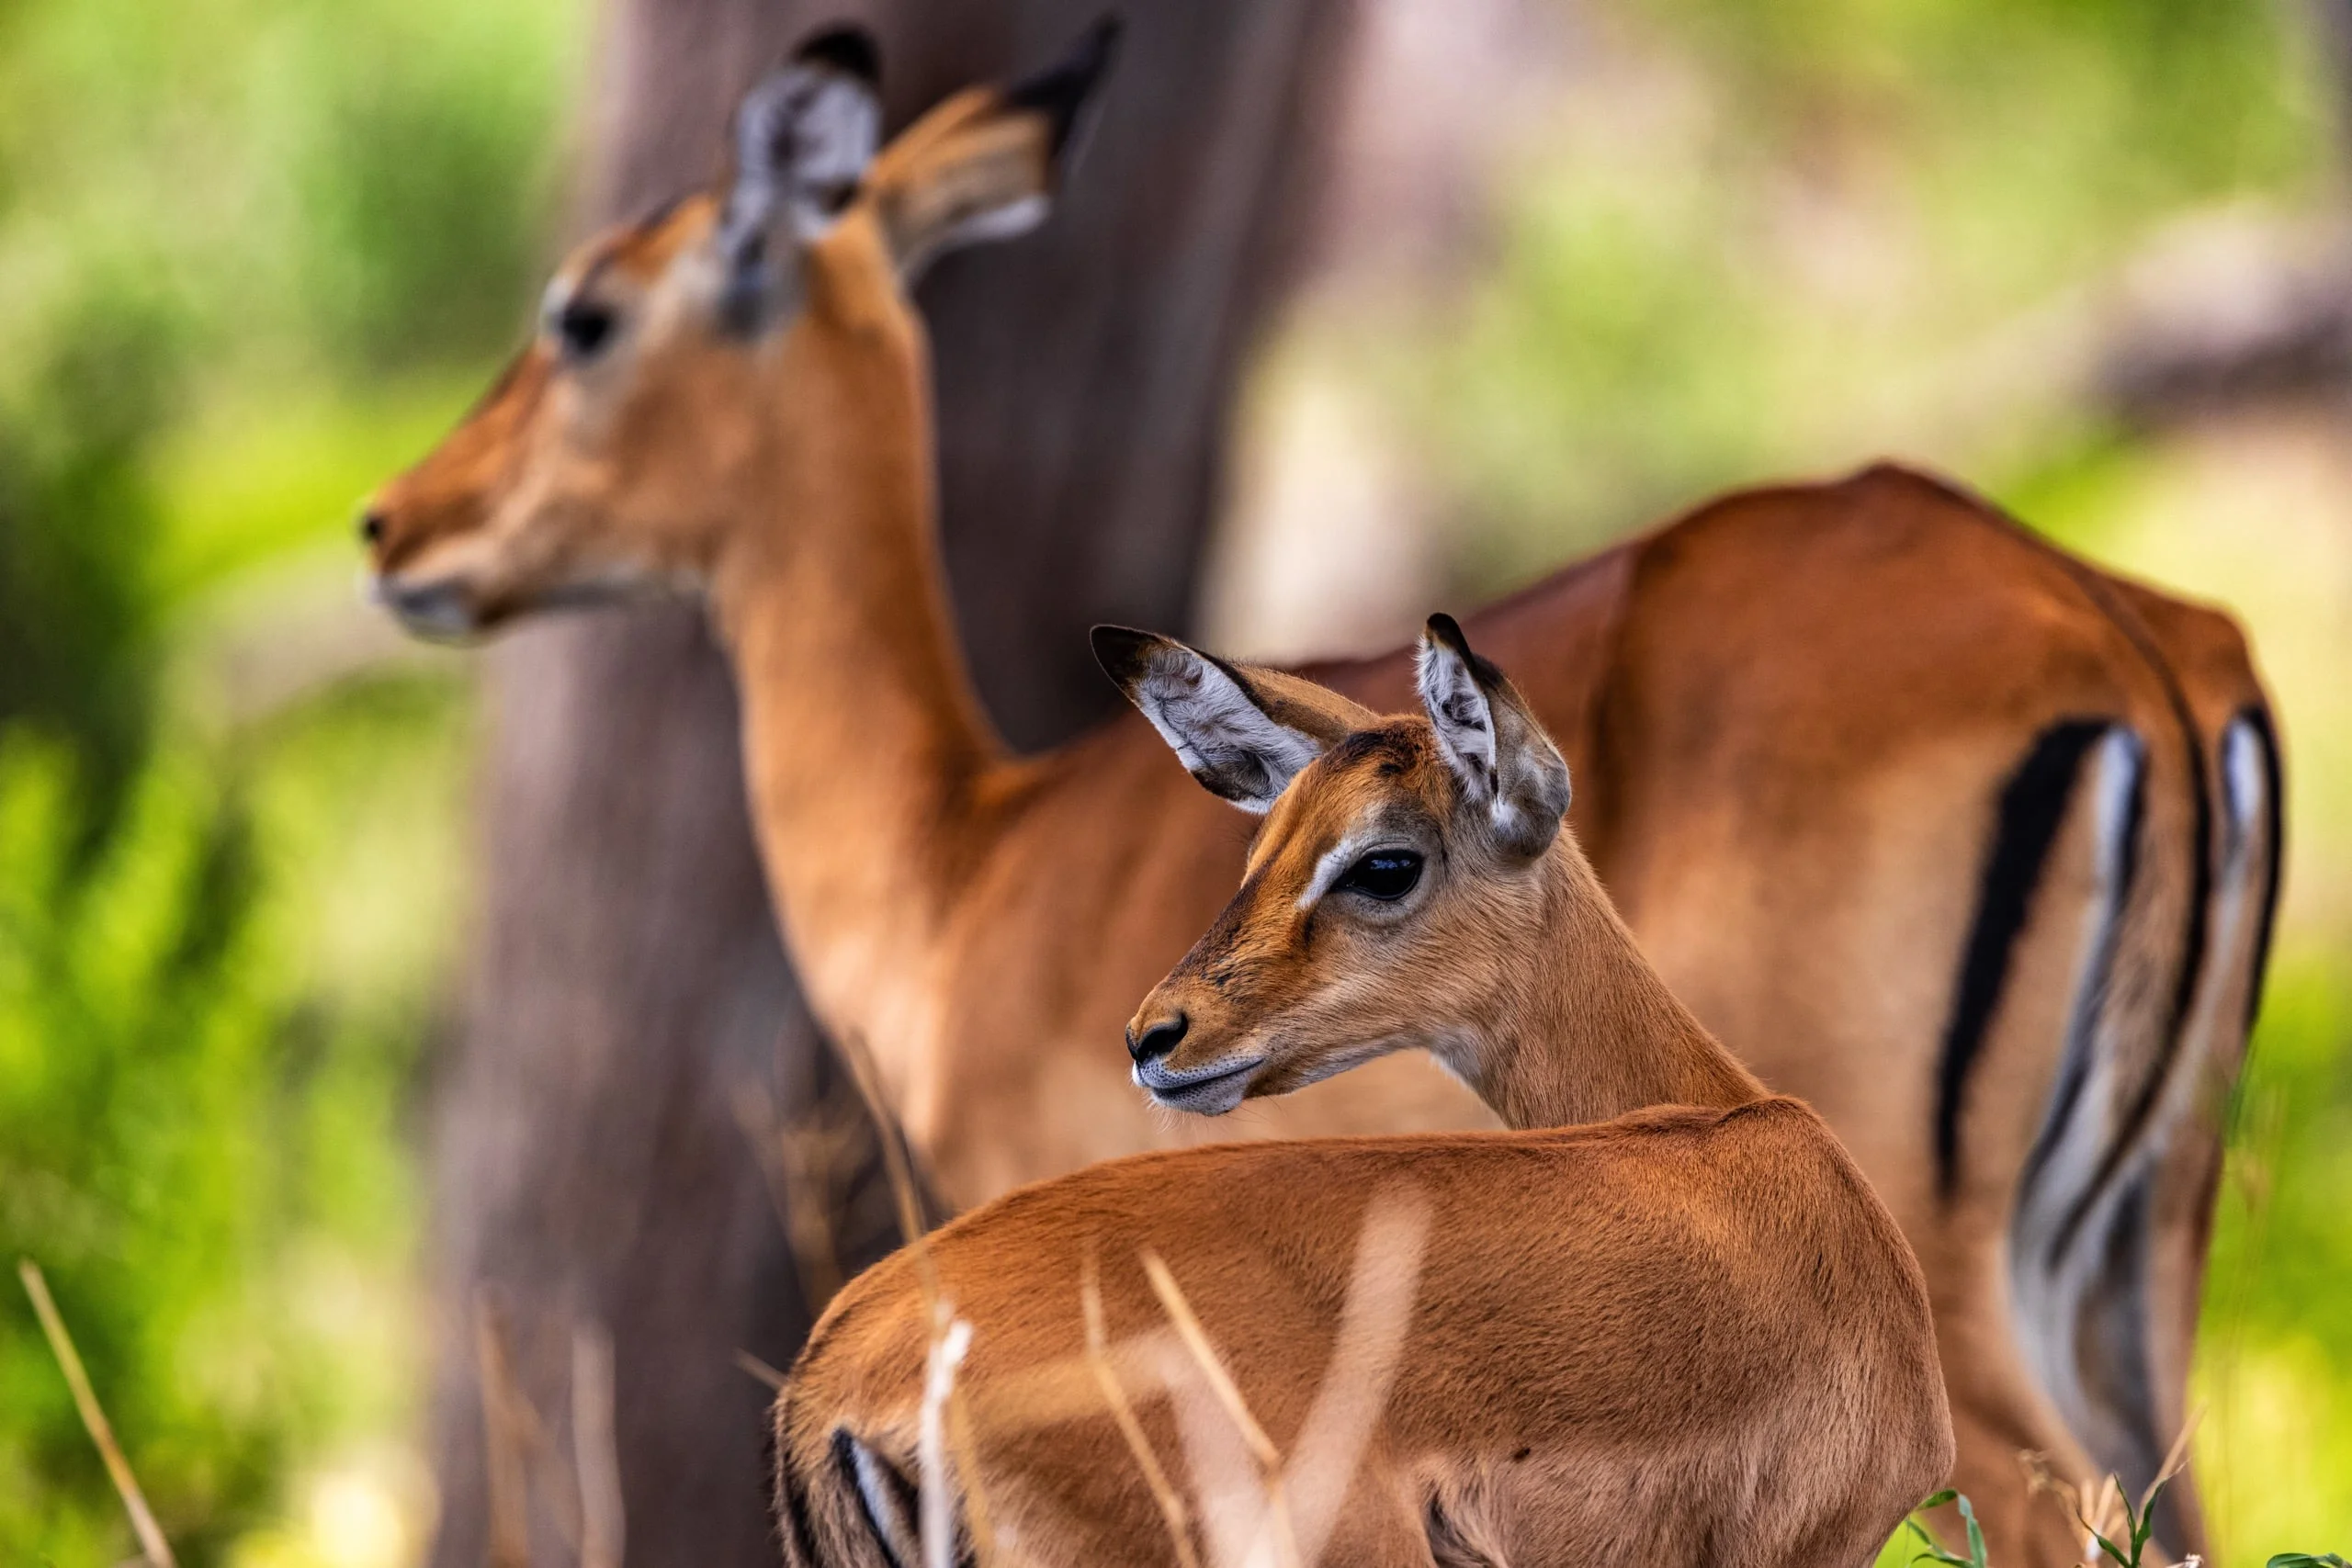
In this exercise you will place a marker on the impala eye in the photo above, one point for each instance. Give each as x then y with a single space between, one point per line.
1384 875
584 327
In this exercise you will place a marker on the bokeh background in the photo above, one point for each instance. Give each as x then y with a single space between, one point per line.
1587 262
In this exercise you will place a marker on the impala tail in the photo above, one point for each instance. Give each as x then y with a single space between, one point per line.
851 1502
2180 821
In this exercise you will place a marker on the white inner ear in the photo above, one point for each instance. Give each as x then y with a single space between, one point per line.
1002 221
1459 712
803 134
834 138
1221 736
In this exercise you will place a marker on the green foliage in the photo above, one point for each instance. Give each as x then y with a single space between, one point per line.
250 251
236 197
2305 1559
137 1142
421 186
1929 1550
1756 256
2275 1348
207 1027
78 519
2138 1526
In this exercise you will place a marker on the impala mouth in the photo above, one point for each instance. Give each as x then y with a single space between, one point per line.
1204 1091
436 611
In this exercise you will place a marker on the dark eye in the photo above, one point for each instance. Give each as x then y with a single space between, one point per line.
1384 875
584 327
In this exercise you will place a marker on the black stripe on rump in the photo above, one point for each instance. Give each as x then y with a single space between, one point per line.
899 1497
2274 781
792 1506
2090 1000
2033 808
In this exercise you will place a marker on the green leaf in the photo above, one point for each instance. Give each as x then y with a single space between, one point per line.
1975 1535
1929 1550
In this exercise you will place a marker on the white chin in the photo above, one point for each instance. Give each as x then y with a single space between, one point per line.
1209 1100
437 612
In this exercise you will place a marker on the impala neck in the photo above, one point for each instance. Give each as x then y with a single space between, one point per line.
1593 1033
864 743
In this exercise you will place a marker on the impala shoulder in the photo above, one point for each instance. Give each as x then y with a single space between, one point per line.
1785 1121
1786 1140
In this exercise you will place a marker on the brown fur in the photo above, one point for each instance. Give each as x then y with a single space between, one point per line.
1686 1335
1788 716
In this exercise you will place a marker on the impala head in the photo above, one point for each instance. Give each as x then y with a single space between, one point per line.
743 340
1403 864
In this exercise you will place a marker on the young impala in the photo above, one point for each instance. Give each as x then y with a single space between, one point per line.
1967 843
1665 1321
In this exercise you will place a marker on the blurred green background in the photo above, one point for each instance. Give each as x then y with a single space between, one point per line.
255 254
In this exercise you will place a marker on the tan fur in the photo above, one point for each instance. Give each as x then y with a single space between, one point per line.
1686 1334
1788 716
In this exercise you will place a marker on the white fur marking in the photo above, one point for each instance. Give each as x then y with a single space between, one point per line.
2045 1298
2242 783
882 1509
1335 862
999 222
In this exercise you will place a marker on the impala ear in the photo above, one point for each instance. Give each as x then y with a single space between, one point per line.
1245 733
986 164
1506 765
804 136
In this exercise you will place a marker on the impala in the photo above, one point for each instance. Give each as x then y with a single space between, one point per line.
1967 843
1665 1321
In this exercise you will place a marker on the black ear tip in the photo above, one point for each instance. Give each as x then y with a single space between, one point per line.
1121 650
1062 90
1444 628
1100 42
846 47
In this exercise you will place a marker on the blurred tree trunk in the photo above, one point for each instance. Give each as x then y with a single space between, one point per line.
590 1165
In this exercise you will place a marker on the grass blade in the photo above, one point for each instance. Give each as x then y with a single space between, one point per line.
1114 1394
94 1417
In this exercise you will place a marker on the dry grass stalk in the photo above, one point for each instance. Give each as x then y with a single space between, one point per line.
1098 1356
945 1325
509 1433
1052 1392
949 1341
895 1162
1197 1340
963 1439
2091 1505
759 1372
594 1449
804 1165
519 1457
1228 1394
2098 1509
1354 1391
94 1417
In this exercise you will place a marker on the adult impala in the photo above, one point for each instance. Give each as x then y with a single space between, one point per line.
1968 843
1684 1335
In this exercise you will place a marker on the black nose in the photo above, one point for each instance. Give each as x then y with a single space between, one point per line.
1157 1040
371 527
